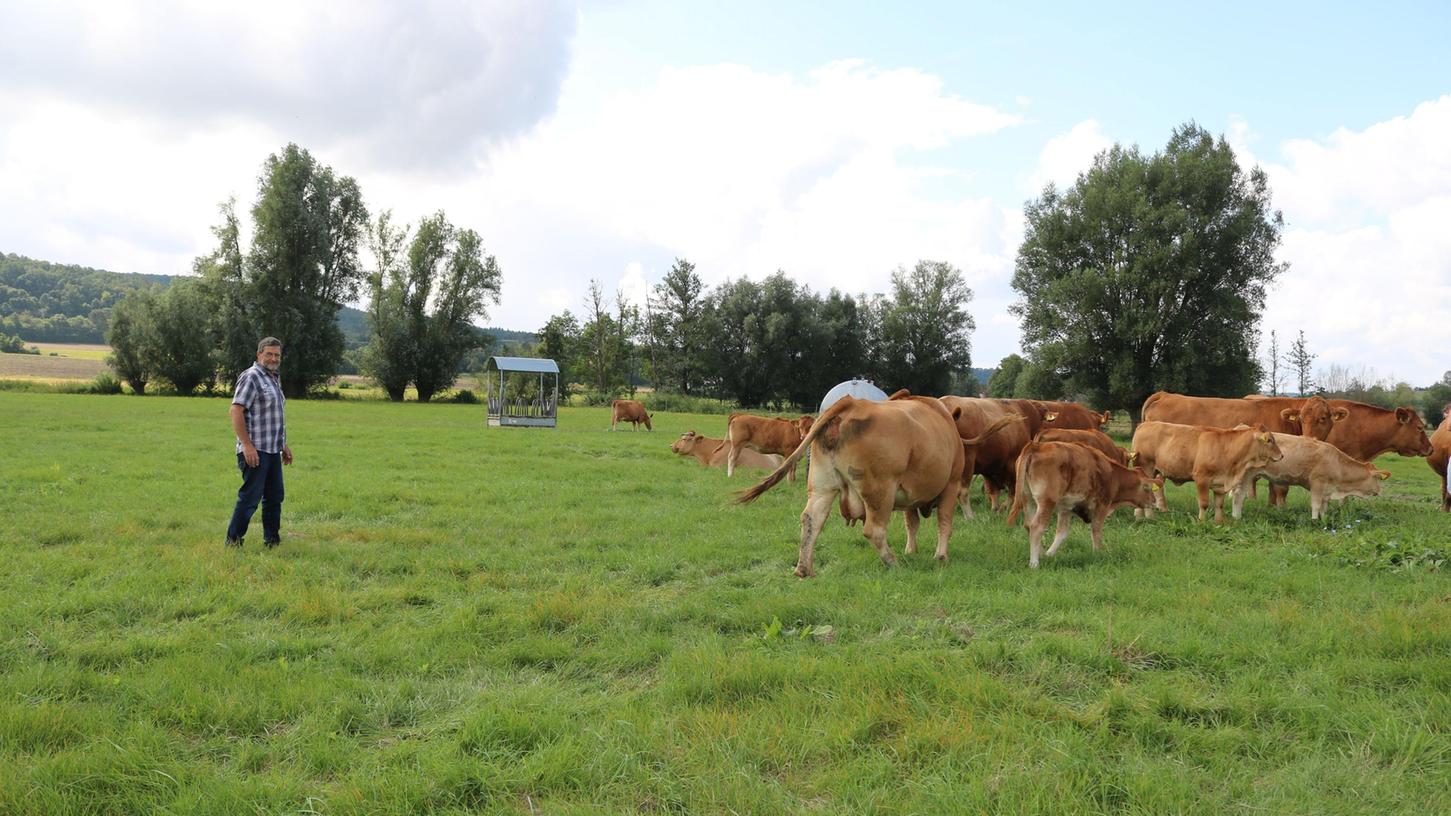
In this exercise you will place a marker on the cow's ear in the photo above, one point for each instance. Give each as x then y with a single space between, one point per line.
1340 415
1262 428
956 413
1383 474
1290 415
1403 416
1049 416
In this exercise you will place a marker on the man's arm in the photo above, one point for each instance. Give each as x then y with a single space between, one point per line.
239 424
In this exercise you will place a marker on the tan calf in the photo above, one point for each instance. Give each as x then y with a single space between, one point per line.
764 434
1067 478
712 453
1440 455
1323 469
1215 459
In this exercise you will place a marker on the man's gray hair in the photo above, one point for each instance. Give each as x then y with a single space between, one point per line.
268 342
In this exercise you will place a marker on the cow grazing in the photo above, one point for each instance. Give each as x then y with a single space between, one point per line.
763 434
1217 460
631 411
712 453
1072 416
1072 479
1440 454
876 456
1326 471
1370 431
997 456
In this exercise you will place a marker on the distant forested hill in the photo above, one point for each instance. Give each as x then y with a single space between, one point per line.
45 302
60 303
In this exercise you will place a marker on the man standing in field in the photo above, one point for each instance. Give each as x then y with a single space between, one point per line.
262 450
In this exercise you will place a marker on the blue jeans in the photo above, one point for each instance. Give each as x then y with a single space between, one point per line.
259 484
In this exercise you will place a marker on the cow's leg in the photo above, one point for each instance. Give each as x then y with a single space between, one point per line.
945 504
1202 489
818 507
913 522
990 489
1218 506
1236 497
731 453
1036 525
1445 497
1095 525
964 495
1318 504
1060 532
1278 494
791 473
879 511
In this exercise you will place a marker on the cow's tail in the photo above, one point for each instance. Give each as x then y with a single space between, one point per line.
730 419
999 424
827 419
1020 493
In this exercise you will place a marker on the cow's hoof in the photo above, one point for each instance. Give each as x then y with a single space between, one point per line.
940 558
889 561
802 572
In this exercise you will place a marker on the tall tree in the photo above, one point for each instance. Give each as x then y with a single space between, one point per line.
424 302
391 354
1274 379
223 276
180 347
303 264
1299 359
1150 272
676 330
1004 381
130 333
927 328
559 341
606 342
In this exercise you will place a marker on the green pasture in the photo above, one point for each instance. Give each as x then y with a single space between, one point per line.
473 620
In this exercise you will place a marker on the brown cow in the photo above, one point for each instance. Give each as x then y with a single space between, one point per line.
764 434
1440 454
1094 438
1312 417
1323 469
1072 415
1370 431
1073 479
631 411
712 452
904 454
1216 459
997 456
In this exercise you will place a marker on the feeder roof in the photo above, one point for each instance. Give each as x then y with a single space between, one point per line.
530 364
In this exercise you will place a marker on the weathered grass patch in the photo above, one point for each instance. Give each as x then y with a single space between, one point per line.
467 620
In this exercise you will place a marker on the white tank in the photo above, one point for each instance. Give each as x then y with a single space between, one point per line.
858 389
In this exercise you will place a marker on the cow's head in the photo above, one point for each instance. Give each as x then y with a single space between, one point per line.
686 443
804 424
1410 437
1265 449
1315 418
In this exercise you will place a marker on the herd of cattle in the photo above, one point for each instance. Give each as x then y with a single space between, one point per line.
919 454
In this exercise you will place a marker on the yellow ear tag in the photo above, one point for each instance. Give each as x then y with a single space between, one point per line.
1153 487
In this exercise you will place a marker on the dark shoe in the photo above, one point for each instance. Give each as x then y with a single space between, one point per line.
236 542
273 543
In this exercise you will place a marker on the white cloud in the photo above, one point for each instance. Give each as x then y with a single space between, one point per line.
1368 245
1067 155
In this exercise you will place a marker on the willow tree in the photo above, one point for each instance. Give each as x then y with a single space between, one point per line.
1150 273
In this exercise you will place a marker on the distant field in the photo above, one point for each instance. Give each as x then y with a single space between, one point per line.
53 368
473 620
83 351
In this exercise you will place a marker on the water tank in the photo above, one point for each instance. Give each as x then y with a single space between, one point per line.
859 389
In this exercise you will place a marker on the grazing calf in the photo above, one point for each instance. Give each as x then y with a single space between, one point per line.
631 411
712 453
876 456
1215 459
764 434
1440 454
1323 469
1068 478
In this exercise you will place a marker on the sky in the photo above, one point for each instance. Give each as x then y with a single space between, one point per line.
837 142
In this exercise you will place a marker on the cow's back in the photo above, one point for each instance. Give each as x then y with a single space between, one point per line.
1215 412
1093 438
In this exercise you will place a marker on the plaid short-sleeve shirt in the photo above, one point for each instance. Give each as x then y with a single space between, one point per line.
260 395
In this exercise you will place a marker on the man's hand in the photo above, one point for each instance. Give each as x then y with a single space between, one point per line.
286 455
249 454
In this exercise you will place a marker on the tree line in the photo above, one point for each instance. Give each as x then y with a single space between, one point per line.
60 303
291 280
772 342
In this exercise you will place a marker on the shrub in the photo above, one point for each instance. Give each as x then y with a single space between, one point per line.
682 404
465 396
104 383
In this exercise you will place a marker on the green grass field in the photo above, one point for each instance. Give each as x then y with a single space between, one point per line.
474 620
